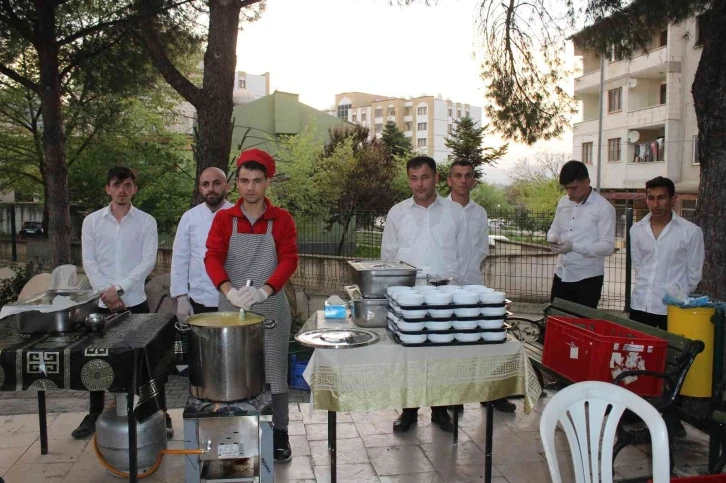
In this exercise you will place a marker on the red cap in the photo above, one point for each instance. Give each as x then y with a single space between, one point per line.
258 156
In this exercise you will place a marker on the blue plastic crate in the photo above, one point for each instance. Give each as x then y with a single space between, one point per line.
297 381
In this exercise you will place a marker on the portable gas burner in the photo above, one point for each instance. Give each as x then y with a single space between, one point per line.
236 438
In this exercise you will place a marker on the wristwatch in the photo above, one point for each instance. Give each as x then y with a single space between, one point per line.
120 291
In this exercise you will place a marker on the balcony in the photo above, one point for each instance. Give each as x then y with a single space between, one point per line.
408 118
585 127
588 83
653 64
408 134
647 117
379 120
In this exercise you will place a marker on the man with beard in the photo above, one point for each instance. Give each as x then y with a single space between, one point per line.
190 285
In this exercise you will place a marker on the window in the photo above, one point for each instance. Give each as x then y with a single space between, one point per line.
451 128
379 112
663 91
421 142
422 126
379 128
422 111
615 99
614 149
407 111
696 160
354 118
363 116
391 112
663 38
700 29
587 153
407 126
466 114
615 53
458 113
449 112
688 209
343 111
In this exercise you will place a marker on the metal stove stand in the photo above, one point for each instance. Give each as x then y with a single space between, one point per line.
237 438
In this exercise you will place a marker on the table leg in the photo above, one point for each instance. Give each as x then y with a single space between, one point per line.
133 456
456 426
43 423
332 445
489 443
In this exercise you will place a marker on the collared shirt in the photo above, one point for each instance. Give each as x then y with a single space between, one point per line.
435 239
188 275
590 226
476 218
119 253
676 257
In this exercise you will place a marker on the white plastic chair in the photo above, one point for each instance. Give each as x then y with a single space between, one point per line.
581 410
64 276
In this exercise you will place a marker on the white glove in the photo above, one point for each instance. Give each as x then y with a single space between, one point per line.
252 295
183 308
564 246
235 298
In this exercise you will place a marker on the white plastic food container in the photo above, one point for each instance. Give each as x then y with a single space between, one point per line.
465 324
493 336
472 337
412 339
492 311
492 297
444 325
441 338
491 324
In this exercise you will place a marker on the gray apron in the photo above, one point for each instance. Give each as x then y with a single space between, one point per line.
254 257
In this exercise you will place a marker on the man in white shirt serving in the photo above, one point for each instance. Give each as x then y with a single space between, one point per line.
119 244
428 232
190 285
583 234
666 250
462 180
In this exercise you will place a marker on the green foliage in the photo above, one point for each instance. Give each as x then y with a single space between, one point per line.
10 287
492 197
395 140
540 195
467 142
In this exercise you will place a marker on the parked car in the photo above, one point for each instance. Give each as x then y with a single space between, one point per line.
31 229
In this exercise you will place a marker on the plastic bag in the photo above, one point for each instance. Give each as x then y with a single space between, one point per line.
335 308
675 295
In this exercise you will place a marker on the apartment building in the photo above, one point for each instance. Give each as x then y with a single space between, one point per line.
427 120
247 88
649 121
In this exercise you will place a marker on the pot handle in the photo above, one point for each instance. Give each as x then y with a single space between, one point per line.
269 324
182 326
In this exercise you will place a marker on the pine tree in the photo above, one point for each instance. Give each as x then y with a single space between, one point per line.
395 140
466 141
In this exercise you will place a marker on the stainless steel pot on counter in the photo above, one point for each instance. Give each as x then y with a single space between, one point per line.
374 276
226 355
368 313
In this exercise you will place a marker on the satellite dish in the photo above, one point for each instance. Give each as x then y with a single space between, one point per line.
632 83
633 136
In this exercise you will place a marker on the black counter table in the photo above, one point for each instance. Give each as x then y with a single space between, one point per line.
132 354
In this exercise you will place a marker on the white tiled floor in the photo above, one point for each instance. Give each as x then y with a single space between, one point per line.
368 451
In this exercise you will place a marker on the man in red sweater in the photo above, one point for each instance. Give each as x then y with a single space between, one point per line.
257 242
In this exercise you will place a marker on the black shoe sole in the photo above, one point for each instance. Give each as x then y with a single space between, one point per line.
401 429
283 460
75 435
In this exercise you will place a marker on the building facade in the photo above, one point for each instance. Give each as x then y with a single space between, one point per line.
426 120
649 120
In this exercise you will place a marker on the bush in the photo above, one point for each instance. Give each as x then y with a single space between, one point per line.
10 287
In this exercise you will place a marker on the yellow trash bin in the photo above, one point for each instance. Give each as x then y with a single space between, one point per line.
695 324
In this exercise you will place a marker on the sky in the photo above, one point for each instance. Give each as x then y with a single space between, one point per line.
318 48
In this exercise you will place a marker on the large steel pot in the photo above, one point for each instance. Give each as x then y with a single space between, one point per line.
374 276
226 355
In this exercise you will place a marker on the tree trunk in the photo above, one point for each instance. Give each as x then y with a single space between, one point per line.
56 171
709 96
214 114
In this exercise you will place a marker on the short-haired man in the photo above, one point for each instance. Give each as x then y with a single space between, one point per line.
190 285
583 234
666 250
256 241
462 180
119 244
431 233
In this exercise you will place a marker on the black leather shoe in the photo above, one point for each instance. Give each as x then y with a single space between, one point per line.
169 428
87 426
443 419
504 406
404 422
281 446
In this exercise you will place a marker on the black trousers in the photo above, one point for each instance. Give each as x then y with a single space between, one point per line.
202 309
433 409
98 397
584 292
653 320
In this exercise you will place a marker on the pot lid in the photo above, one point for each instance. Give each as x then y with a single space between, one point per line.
336 338
224 319
391 267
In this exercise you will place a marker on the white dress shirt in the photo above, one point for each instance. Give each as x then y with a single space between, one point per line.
119 253
675 257
476 218
435 239
590 226
188 275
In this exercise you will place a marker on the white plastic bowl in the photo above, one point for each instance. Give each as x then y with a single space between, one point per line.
437 298
410 326
465 297
450 288
444 325
491 311
413 314
475 312
474 288
410 299
441 338
412 339
491 336
491 324
492 297
393 289
426 288
473 337
441 313
465 324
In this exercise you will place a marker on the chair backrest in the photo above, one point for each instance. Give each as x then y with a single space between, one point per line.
582 411
64 276
37 284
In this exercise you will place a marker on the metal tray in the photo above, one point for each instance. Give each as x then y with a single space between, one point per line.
367 313
65 320
374 276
